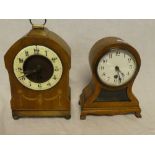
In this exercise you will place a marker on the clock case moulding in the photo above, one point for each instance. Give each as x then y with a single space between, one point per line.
54 102
99 99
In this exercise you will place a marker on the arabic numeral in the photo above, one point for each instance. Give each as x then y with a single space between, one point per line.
49 84
39 85
54 59
103 74
102 67
104 61
20 60
36 51
26 53
129 60
130 66
46 53
22 78
110 55
56 69
118 53
19 69
30 84
54 77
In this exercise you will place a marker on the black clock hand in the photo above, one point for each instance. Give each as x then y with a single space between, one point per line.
119 78
29 72
119 71
116 76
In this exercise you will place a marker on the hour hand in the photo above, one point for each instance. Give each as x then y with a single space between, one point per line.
120 79
29 72
116 78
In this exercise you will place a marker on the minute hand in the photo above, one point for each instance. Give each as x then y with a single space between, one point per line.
121 73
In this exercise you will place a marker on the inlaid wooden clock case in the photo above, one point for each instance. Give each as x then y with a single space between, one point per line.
52 102
88 98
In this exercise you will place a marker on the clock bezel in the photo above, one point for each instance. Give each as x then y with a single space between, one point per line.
40 55
104 51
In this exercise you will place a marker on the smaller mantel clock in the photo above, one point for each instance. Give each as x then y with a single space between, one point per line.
38 65
115 65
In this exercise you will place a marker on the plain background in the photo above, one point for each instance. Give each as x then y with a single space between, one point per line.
81 36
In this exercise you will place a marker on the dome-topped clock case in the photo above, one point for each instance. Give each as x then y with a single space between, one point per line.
115 65
38 65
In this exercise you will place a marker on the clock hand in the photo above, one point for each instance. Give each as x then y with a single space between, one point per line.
116 78
26 74
119 71
38 68
118 74
119 78
29 72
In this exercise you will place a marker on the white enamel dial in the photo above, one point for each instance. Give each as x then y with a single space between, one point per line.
117 67
37 67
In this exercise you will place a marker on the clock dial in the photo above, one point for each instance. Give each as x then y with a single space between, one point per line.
117 67
38 67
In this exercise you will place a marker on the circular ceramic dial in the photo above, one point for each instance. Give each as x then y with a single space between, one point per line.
37 67
117 67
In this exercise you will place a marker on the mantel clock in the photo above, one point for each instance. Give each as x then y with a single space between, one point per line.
38 65
114 65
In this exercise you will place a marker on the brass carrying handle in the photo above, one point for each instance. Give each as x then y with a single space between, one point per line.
37 25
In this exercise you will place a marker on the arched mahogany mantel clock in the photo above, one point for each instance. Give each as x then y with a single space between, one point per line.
115 65
38 65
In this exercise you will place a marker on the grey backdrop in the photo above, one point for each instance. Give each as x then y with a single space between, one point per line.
81 35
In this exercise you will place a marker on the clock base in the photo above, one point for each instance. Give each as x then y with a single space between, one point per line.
110 112
108 108
16 114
